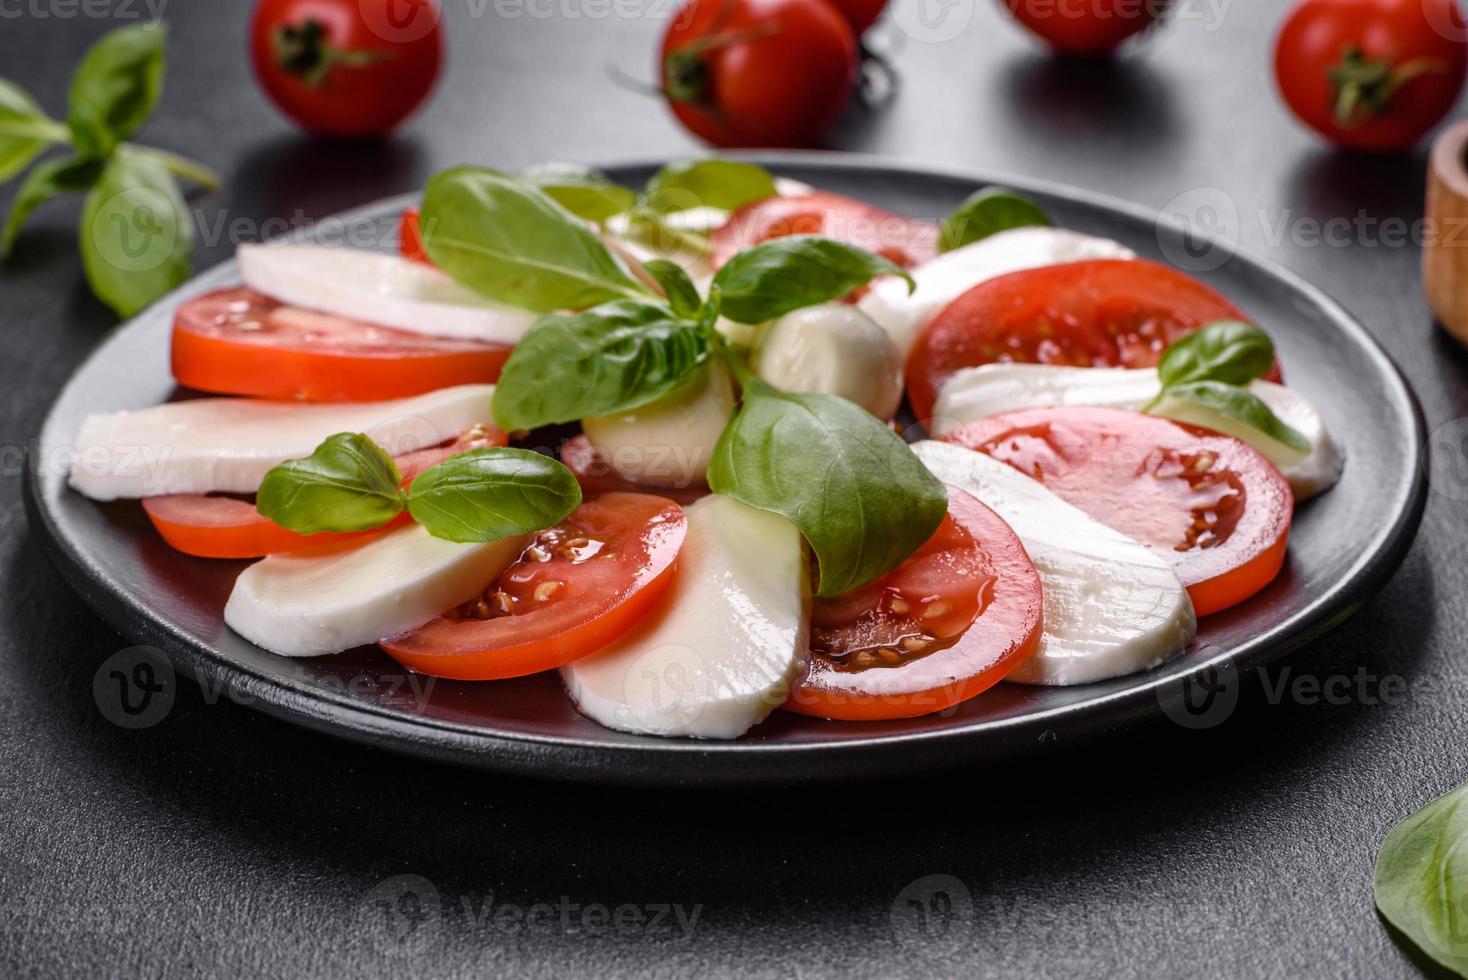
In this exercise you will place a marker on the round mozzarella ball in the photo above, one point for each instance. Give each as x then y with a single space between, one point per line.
832 349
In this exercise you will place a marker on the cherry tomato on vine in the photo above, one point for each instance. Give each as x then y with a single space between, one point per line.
1372 74
758 72
1085 27
350 68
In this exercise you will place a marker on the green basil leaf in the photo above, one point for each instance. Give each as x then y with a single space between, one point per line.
115 88
49 179
503 238
609 359
488 494
24 130
724 184
1229 351
349 483
785 274
682 294
985 212
1238 403
852 486
136 233
586 193
1421 879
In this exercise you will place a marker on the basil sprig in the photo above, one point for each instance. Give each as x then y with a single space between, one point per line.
136 236
1210 368
985 212
854 488
349 483
1421 879
709 183
784 274
585 192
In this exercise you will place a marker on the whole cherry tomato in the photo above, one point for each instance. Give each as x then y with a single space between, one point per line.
1372 74
350 68
1085 27
758 72
860 14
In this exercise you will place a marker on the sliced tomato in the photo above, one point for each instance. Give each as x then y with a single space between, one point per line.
577 587
239 342
216 526
596 475
1097 313
945 625
1210 504
903 241
410 237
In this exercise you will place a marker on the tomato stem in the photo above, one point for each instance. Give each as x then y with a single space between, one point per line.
1364 86
305 51
687 69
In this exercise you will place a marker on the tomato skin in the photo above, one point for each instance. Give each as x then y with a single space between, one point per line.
860 14
1211 505
781 77
240 342
904 241
1085 27
393 50
410 237
974 552
1410 34
598 598
1096 313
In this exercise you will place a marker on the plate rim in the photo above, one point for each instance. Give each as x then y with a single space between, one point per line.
588 759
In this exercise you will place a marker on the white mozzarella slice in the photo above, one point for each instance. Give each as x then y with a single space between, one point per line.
726 644
942 280
307 604
1111 606
226 445
669 442
832 349
978 392
387 290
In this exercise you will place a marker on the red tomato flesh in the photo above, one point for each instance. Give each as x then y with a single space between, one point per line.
901 240
240 342
410 237
577 587
1097 313
945 625
1211 505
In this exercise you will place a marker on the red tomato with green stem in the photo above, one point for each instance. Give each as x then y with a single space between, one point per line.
347 68
1372 74
1085 27
758 72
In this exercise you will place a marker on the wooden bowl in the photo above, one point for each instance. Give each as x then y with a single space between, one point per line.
1445 253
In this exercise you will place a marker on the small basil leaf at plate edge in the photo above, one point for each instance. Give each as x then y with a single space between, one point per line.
682 294
1421 879
987 212
585 192
710 182
349 483
609 359
492 493
784 274
1237 403
1230 351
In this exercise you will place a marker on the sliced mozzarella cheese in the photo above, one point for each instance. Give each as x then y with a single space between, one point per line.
724 647
383 289
947 277
226 445
668 443
832 349
307 604
1111 606
976 393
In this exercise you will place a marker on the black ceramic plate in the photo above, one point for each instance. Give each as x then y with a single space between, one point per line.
1344 545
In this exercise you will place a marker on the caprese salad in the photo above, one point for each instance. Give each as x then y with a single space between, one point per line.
721 518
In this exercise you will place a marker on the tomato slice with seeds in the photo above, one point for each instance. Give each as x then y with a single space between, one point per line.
901 240
240 342
410 237
577 587
596 475
1096 313
1213 506
222 526
942 627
